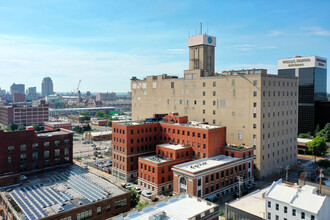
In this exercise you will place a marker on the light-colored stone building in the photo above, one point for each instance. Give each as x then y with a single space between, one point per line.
257 108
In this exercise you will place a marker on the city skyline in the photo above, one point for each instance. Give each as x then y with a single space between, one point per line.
115 41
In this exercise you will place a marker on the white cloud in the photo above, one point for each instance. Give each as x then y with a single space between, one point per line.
28 63
275 33
317 31
177 51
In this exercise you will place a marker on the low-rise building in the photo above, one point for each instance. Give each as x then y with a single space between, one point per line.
25 151
54 125
214 176
179 207
68 192
24 113
98 136
99 122
281 200
155 172
290 201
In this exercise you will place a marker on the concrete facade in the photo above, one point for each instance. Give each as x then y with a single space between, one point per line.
258 109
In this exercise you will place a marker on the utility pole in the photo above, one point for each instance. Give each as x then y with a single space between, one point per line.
287 172
240 182
321 175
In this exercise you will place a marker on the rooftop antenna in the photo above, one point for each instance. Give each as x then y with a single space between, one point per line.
201 28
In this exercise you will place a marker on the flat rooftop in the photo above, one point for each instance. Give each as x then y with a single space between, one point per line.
180 207
156 159
56 122
59 190
205 163
172 146
53 133
253 203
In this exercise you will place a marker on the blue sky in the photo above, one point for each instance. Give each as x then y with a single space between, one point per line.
105 43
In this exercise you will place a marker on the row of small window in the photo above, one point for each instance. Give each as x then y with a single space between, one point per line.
278 124
118 166
166 154
23 147
183 132
35 164
177 141
148 168
286 157
35 155
153 178
119 131
138 140
285 210
146 130
270 135
89 213
264 82
116 139
169 187
288 103
279 93
223 174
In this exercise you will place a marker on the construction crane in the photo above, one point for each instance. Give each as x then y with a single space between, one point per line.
76 90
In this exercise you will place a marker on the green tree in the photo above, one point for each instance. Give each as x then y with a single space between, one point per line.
221 213
305 135
317 129
325 163
87 128
109 123
325 132
11 127
135 198
21 128
78 129
36 127
100 115
317 146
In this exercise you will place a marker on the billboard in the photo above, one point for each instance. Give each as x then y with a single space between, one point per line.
302 62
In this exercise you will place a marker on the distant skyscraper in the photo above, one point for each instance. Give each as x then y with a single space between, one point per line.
312 76
17 88
47 86
31 94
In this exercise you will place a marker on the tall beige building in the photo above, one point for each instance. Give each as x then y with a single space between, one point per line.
257 108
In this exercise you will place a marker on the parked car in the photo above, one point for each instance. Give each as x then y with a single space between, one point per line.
84 167
93 145
107 150
138 190
147 194
99 156
84 142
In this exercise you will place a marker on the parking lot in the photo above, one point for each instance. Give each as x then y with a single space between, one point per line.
86 149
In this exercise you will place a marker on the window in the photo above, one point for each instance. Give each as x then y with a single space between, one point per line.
214 93
254 93
67 142
269 215
23 147
35 156
120 203
108 207
204 84
302 215
11 149
57 143
254 126
293 212
285 209
84 215
312 217
199 183
9 160
98 210
23 157
255 82
66 151
277 207
46 154
240 135
46 144
214 84
269 204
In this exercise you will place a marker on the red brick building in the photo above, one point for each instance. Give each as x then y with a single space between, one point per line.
132 140
23 151
155 172
54 125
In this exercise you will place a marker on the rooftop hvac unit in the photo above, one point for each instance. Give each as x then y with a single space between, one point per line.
158 216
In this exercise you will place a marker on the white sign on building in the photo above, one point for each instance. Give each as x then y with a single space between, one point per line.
302 62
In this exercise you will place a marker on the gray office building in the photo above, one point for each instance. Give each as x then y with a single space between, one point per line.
47 87
17 88
312 75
